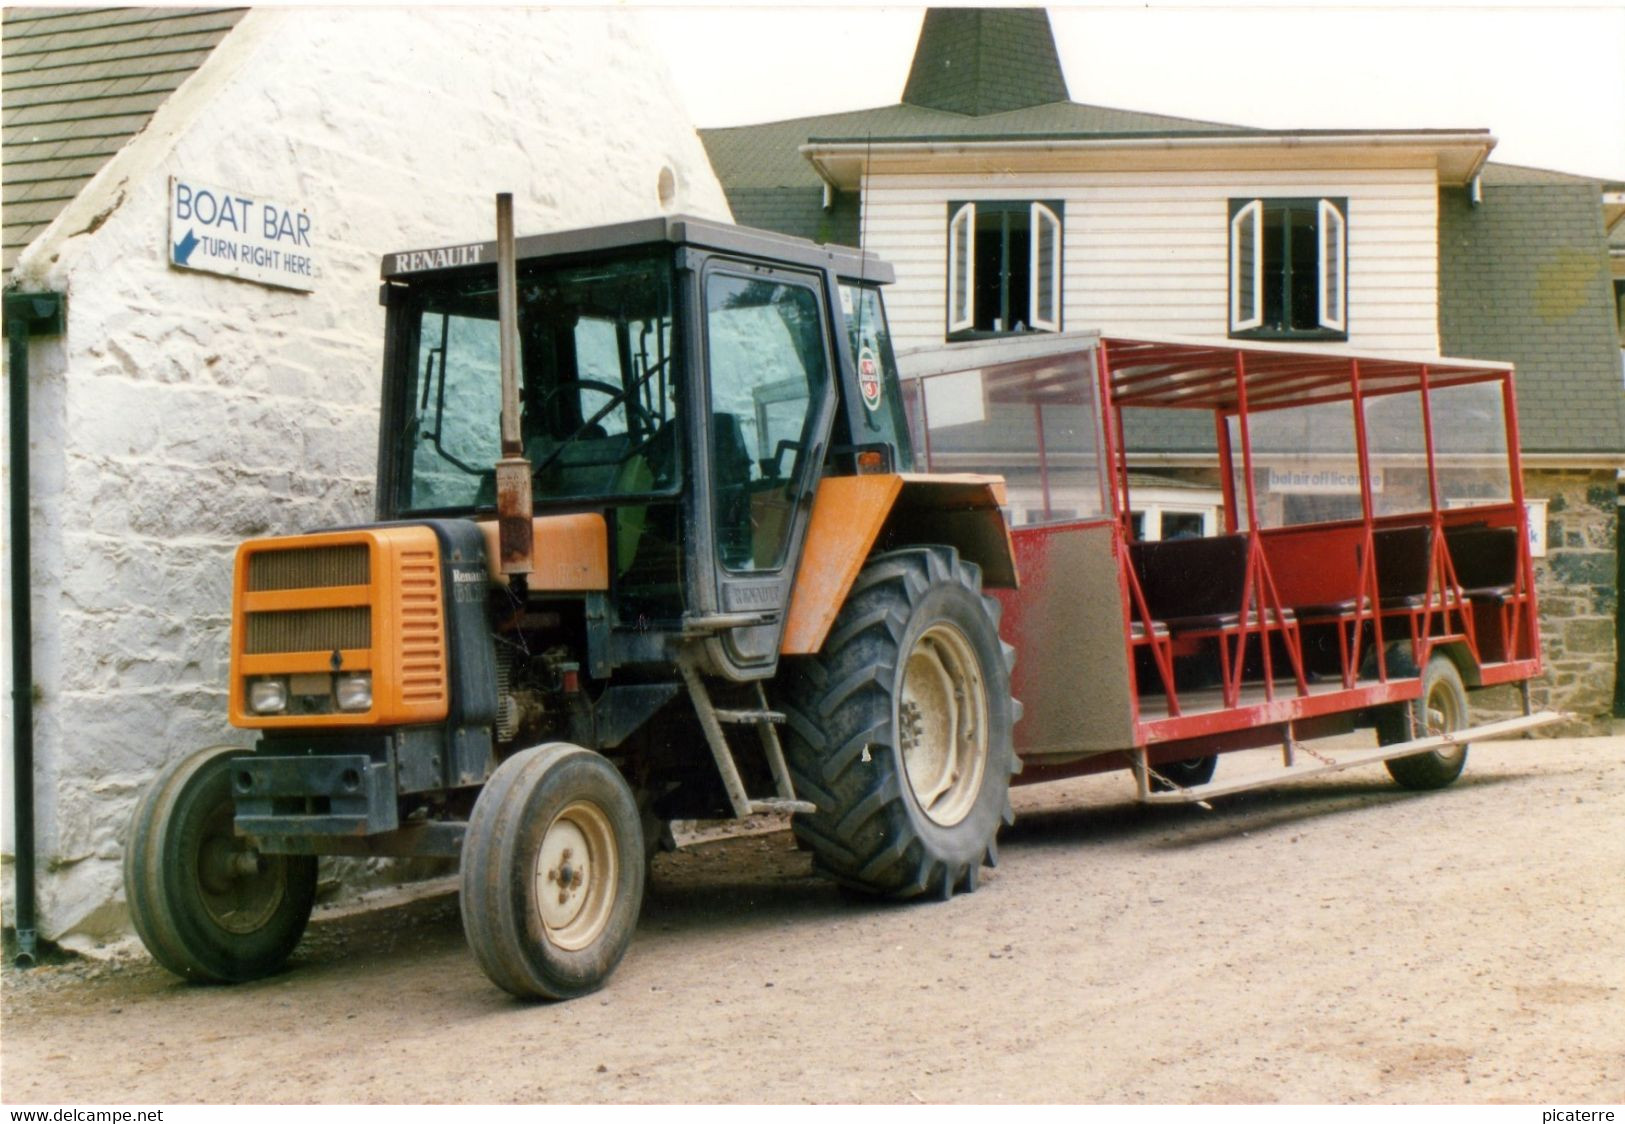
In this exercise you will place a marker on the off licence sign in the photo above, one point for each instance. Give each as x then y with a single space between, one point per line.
240 234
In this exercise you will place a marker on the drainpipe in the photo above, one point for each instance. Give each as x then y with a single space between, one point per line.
26 315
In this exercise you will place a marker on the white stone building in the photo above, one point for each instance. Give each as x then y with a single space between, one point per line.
180 411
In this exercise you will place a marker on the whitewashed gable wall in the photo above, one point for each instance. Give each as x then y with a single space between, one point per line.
183 412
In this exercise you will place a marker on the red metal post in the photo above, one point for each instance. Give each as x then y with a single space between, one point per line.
1227 471
1526 563
1368 562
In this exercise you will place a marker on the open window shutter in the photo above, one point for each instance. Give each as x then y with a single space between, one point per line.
961 269
1333 284
1247 267
1045 288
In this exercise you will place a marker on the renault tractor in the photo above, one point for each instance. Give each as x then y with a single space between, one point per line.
647 547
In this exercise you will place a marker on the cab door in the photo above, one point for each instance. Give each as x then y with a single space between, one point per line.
769 386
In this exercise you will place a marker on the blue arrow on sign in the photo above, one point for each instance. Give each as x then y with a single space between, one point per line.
184 248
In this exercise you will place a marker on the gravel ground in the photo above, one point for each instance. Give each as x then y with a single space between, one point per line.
1336 940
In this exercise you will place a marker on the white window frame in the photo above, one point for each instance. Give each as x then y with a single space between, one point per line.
1331 266
1044 221
1247 223
1332 232
962 269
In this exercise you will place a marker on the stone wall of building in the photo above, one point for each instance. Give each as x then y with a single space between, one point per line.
1577 584
183 412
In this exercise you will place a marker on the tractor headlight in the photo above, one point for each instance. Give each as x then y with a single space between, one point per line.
268 695
354 692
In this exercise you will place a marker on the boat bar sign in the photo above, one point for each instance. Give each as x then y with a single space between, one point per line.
240 234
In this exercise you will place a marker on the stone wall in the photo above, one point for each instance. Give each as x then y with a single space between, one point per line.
1577 586
183 412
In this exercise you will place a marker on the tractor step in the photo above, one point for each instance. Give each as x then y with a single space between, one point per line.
758 807
764 718
749 717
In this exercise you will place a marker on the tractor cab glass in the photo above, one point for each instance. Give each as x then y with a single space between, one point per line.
597 393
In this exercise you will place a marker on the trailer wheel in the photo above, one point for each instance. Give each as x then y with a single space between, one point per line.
208 906
899 731
1187 773
1441 707
552 872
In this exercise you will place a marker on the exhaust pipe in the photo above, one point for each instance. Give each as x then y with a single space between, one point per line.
515 530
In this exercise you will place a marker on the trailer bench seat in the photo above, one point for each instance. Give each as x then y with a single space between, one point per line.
1404 557
1485 560
1193 585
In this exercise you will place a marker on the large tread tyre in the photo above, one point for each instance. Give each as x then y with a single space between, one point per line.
1441 707
899 731
207 905
553 872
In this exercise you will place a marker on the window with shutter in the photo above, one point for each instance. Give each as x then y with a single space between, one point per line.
1289 269
1045 286
1004 267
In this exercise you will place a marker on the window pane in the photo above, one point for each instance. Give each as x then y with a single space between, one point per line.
1303 282
768 372
1275 269
870 339
1471 446
1305 465
1181 525
1399 471
459 424
595 393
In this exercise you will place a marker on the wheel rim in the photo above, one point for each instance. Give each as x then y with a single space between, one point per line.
1444 715
575 876
240 889
942 724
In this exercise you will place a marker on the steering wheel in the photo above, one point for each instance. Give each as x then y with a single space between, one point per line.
635 410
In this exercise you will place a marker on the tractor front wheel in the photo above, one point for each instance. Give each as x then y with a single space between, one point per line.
208 906
900 730
552 872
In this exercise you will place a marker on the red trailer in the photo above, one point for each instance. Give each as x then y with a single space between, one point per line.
1368 562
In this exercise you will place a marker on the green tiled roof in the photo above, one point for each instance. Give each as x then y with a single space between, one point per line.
766 156
977 72
78 84
1523 278
985 60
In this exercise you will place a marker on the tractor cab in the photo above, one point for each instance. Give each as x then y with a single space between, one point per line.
680 379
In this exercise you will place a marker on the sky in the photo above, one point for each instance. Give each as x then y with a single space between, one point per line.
1547 81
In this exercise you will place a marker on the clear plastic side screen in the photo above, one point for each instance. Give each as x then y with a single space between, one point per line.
1034 422
1306 467
1399 469
1471 448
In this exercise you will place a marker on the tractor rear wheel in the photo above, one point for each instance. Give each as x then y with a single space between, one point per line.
1441 708
208 906
552 872
900 730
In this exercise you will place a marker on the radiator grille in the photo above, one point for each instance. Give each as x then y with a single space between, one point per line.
423 667
309 630
309 568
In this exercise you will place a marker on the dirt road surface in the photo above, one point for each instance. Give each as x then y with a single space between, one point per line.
1335 941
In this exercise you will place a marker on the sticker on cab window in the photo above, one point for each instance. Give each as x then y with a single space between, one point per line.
869 378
